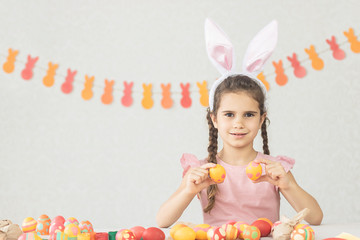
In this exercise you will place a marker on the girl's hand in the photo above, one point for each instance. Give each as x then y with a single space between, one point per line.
274 174
196 179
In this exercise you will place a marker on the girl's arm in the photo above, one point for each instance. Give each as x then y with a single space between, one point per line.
294 194
300 199
195 180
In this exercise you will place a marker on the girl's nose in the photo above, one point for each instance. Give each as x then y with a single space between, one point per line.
238 123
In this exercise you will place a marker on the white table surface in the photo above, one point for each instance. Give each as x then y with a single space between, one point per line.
321 232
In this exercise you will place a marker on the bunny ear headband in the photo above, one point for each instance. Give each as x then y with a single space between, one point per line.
221 53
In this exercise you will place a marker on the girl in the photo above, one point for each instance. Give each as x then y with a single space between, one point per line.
236 113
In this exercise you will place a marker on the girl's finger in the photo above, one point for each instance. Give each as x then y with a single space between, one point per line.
208 165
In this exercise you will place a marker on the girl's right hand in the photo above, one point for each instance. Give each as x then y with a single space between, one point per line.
196 179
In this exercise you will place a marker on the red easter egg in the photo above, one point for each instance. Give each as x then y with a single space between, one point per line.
263 226
60 219
153 233
138 231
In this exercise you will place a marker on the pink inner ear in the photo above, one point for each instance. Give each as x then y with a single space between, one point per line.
223 56
255 66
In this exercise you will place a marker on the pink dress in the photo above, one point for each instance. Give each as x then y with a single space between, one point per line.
238 198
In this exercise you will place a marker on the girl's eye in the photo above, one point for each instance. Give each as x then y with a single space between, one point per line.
249 115
229 114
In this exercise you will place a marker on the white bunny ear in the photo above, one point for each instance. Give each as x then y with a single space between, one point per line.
260 49
219 48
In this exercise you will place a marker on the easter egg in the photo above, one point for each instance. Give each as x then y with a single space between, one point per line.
72 230
240 227
153 233
201 231
56 227
125 234
231 232
138 231
83 236
71 220
264 226
251 233
29 236
29 225
185 233
43 225
60 219
217 174
253 170
302 234
86 227
60 236
216 233
175 228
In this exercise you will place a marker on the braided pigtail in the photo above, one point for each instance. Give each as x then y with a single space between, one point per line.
212 150
265 137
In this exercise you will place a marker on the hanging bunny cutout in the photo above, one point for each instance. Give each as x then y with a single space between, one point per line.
221 53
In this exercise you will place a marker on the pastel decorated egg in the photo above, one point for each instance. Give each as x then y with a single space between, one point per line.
125 234
264 225
59 219
231 232
201 231
217 174
185 233
251 233
138 231
72 230
71 220
253 170
29 236
29 225
153 233
216 233
83 236
240 227
302 234
43 225
56 227
175 228
60 236
86 227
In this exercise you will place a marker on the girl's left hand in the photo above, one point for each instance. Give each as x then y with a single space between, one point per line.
274 174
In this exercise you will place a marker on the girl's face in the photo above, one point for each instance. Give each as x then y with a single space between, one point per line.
238 120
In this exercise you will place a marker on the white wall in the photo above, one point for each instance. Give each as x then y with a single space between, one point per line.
114 166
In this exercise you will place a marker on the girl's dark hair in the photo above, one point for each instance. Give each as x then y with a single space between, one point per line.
232 84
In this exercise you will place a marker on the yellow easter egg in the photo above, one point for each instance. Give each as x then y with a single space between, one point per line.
217 173
175 228
72 230
185 233
29 225
253 170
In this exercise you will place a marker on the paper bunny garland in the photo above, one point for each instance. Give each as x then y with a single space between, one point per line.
221 53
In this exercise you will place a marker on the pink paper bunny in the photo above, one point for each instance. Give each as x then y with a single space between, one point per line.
27 73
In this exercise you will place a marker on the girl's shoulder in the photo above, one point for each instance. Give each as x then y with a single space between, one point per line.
189 160
285 161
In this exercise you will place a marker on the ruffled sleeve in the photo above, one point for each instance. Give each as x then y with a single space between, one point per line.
189 161
286 162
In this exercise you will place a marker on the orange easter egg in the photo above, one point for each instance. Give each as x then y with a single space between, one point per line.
217 173
29 225
303 234
43 225
253 170
231 232
240 227
201 231
251 233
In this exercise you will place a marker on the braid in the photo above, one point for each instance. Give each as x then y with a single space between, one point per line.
212 150
265 137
